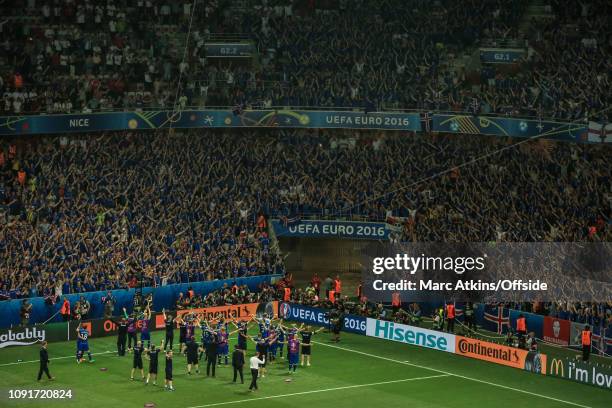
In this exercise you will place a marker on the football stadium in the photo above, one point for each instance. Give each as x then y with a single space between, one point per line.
305 203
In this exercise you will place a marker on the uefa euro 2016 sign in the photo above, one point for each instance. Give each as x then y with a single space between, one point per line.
217 118
318 317
332 229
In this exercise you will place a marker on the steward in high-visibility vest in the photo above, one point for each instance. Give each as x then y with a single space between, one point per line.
65 310
521 325
338 286
396 302
450 317
287 295
586 343
332 296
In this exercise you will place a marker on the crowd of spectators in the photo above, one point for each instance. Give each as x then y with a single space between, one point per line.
228 295
96 212
82 56
567 75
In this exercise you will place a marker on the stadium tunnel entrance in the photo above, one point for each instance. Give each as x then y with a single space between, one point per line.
305 256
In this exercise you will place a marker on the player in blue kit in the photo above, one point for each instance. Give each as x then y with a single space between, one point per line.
206 336
263 323
242 328
272 344
145 334
223 346
293 353
292 331
82 344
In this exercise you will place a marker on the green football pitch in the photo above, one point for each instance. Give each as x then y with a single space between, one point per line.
357 372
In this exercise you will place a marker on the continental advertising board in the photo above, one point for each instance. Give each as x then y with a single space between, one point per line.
499 354
574 370
230 312
102 327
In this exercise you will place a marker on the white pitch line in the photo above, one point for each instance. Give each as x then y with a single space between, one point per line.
54 358
455 375
347 387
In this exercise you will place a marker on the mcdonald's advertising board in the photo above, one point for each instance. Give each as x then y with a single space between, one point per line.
579 371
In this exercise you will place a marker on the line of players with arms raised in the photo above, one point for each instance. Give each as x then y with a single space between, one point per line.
213 345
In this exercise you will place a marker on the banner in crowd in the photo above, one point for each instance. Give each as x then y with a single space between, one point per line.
501 55
164 297
26 336
331 229
585 373
576 333
556 331
531 361
229 50
241 312
412 335
141 120
515 127
499 319
319 317
493 318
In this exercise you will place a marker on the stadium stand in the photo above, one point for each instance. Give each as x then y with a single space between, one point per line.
83 56
95 212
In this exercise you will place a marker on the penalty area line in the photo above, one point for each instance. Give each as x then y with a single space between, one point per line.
54 358
455 375
347 387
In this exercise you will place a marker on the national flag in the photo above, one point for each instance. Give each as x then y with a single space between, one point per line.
289 221
500 317
475 106
599 133
601 340
427 118
576 333
459 308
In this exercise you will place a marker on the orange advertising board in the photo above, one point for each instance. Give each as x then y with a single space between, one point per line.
500 354
229 312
